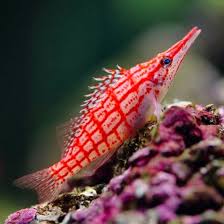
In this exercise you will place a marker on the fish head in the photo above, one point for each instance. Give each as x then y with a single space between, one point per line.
166 64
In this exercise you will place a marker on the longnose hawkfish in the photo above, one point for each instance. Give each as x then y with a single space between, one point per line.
120 104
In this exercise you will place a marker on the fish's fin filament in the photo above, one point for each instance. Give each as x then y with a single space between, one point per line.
43 182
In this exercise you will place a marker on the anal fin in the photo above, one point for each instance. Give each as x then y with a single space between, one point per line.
93 166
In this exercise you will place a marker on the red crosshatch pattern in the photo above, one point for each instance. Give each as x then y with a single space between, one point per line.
113 119
106 127
118 105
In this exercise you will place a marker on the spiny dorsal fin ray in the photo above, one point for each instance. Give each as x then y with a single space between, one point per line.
66 131
104 82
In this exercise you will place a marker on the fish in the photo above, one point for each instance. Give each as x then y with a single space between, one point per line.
120 103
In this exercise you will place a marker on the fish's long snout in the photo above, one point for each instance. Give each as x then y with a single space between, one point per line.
177 53
185 43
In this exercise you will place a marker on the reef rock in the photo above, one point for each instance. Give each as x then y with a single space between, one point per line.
171 172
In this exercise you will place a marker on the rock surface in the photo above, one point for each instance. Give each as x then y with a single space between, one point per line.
172 172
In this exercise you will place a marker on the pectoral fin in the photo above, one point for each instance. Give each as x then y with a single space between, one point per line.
155 109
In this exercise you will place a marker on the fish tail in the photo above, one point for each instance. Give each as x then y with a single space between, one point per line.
44 182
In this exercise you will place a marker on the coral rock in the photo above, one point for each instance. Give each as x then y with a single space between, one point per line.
171 172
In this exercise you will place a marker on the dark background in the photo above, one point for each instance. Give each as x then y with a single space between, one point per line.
50 50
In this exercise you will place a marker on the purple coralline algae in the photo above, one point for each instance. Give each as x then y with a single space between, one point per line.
101 211
23 216
174 177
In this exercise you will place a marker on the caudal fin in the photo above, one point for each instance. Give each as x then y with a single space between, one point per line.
43 182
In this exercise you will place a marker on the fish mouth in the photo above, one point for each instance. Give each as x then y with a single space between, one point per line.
185 43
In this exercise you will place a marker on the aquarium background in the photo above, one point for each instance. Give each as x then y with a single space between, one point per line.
50 50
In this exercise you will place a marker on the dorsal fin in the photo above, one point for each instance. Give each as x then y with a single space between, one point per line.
65 132
104 82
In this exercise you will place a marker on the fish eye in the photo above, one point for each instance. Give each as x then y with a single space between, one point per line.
166 61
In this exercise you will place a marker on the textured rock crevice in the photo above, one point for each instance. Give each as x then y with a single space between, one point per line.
171 172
